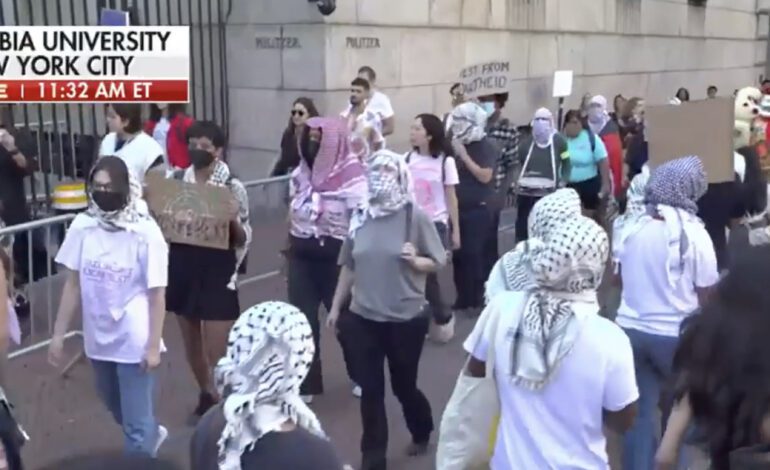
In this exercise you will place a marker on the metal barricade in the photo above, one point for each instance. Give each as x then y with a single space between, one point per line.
41 289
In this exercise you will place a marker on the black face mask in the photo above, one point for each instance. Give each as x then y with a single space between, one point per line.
109 201
309 148
201 159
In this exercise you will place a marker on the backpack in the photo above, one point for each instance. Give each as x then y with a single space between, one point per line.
443 164
592 139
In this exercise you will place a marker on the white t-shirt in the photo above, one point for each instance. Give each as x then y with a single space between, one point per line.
380 104
649 303
139 153
429 189
560 426
116 270
160 133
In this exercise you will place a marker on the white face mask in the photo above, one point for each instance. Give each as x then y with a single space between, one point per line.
489 107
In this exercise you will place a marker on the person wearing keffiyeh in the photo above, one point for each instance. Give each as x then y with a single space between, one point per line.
392 247
562 372
667 266
327 186
202 289
263 422
117 267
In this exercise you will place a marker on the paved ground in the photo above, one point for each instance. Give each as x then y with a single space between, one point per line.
64 417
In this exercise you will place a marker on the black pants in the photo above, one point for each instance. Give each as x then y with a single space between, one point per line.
491 248
401 344
312 279
469 262
524 205
434 292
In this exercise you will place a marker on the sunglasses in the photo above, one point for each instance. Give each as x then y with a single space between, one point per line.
297 112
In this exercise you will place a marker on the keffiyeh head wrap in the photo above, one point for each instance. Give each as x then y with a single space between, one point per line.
126 217
598 117
566 266
543 127
513 271
390 187
269 352
468 122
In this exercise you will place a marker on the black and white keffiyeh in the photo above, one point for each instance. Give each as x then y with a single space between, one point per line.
469 121
269 352
512 271
566 266
126 218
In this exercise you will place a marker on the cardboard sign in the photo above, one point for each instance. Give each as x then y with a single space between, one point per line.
191 214
702 128
562 83
484 79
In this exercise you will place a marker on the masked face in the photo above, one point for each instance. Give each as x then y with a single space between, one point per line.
310 145
109 201
383 183
201 159
489 107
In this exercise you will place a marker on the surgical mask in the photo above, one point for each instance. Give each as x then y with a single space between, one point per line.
489 107
109 201
201 159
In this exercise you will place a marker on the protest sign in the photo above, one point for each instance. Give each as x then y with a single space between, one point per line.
487 78
562 83
701 128
190 214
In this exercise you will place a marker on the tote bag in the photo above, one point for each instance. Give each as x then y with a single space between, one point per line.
469 425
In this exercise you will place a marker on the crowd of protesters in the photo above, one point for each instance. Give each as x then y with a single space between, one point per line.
369 231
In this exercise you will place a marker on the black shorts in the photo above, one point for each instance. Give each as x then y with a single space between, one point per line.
588 191
197 283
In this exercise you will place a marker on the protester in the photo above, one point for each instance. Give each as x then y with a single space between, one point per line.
378 102
545 166
683 95
113 461
635 141
552 409
589 171
721 389
457 94
327 186
602 125
711 92
117 262
667 265
635 208
301 110
385 261
263 423
168 125
202 289
127 141
476 158
505 137
550 211
435 179
9 323
618 106
364 124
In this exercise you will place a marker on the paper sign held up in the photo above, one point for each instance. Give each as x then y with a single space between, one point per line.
562 83
191 214
702 128
487 78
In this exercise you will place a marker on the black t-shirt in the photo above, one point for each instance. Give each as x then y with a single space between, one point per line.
471 192
13 203
295 450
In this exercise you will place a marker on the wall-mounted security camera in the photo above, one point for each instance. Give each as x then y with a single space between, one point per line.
326 7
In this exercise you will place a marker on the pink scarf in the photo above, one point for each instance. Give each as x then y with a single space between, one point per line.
325 195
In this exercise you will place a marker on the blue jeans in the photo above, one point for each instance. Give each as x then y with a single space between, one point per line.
653 357
127 390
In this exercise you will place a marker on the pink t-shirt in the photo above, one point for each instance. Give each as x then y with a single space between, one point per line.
428 184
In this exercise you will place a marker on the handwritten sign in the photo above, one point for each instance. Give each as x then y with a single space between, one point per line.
485 79
278 43
362 43
191 214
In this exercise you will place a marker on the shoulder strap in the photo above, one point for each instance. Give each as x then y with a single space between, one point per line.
409 209
408 156
443 169
592 138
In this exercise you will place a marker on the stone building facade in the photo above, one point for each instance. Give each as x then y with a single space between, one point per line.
281 49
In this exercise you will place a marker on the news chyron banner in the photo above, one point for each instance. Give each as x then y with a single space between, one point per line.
94 64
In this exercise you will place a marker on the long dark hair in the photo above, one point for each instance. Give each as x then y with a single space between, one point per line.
118 171
312 111
575 113
434 128
722 361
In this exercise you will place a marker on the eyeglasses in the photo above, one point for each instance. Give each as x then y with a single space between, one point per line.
297 112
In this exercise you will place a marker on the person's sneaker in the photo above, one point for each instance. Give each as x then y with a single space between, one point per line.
308 399
414 449
357 392
205 402
162 436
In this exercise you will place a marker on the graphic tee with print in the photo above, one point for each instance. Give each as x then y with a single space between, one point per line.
539 164
561 425
116 271
584 161
429 188
140 153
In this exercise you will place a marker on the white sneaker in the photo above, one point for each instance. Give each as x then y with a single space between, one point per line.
162 436
357 392
308 399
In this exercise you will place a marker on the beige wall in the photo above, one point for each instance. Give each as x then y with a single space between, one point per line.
635 47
